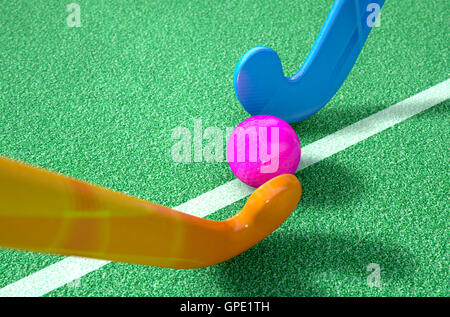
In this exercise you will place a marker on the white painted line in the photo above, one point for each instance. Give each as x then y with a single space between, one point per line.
52 277
72 268
216 199
382 120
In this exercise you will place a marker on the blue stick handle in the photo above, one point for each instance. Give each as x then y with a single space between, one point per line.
259 81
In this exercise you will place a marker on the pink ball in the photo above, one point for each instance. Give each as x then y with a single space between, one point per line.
261 148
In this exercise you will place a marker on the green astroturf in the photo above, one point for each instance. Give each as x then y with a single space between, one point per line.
363 206
99 103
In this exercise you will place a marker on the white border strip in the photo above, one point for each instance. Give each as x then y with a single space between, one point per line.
382 120
72 268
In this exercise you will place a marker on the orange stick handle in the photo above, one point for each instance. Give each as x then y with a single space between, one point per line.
47 212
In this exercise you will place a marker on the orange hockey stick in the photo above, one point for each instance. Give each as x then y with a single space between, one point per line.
47 212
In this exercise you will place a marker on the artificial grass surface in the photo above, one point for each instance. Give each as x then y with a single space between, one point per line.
361 206
99 103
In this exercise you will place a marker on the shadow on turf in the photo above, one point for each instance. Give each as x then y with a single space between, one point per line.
335 117
324 185
312 264
329 184
292 262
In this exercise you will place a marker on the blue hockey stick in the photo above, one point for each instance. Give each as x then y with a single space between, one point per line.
259 81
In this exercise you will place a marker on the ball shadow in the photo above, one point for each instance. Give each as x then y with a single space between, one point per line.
329 184
309 261
309 264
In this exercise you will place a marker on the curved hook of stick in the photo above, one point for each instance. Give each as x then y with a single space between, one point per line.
47 212
259 81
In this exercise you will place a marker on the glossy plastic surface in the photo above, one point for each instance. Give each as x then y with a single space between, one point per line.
47 212
259 81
